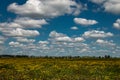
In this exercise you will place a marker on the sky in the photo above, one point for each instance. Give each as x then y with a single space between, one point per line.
60 27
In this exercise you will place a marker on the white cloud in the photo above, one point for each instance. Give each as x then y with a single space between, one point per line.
29 22
22 39
15 44
20 28
97 34
64 39
1 42
111 6
9 25
56 34
43 45
43 42
105 42
52 47
117 24
46 8
24 22
60 37
85 22
2 39
79 39
74 28
100 41
18 32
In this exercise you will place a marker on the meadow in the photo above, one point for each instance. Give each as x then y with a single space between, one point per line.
59 69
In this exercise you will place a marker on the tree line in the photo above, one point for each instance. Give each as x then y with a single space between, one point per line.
66 57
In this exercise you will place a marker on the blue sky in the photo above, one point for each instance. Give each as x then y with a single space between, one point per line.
60 27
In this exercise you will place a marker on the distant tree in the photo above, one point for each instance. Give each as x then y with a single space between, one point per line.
107 56
99 57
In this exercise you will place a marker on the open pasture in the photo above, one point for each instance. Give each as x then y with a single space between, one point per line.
59 69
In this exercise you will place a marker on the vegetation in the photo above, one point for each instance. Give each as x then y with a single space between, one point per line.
62 68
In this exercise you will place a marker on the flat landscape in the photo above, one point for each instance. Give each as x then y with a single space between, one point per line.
59 69
59 39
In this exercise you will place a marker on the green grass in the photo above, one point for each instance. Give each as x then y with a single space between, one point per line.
59 69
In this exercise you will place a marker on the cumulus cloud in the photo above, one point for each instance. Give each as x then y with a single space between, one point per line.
105 42
79 39
60 37
74 28
97 34
30 23
10 25
85 22
43 42
65 38
24 22
62 44
15 44
117 24
56 34
22 39
111 6
46 8
18 32
20 28
2 39
76 47
1 42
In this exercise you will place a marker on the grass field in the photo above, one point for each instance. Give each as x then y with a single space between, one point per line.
59 69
